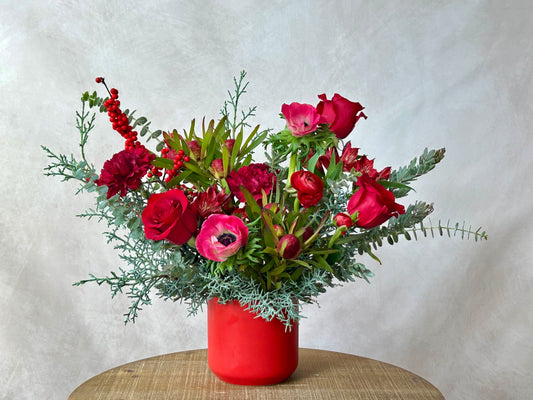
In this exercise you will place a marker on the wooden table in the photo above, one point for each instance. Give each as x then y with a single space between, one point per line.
320 375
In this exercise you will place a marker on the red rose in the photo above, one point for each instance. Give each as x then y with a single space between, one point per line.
341 114
125 170
253 177
169 216
374 203
309 186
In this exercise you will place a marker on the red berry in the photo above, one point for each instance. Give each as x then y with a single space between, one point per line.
114 91
99 79
186 159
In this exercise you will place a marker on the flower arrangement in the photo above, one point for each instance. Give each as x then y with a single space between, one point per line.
198 218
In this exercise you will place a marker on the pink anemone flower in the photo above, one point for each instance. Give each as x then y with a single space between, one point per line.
221 236
302 119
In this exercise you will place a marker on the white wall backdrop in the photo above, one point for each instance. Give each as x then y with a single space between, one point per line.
451 74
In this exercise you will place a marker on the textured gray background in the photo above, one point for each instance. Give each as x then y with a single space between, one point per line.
448 74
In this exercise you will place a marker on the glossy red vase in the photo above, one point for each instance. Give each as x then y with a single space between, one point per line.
244 349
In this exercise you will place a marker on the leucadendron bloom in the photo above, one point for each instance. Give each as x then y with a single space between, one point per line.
221 236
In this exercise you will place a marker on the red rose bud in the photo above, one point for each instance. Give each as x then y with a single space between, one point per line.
289 246
217 168
341 114
230 143
343 219
279 231
195 150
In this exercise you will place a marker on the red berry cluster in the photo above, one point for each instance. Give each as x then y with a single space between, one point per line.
118 119
120 123
178 158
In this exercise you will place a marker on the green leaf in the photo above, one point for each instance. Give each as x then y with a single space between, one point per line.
144 130
161 162
313 160
255 210
140 121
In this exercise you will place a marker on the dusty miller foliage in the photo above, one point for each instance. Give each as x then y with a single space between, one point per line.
178 273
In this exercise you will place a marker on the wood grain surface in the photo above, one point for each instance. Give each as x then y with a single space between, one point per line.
320 375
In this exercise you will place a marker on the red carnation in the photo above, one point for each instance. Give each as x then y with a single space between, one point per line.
253 177
125 170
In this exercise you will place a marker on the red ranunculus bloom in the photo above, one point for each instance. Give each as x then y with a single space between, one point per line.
253 177
125 170
374 203
341 114
302 119
169 216
309 186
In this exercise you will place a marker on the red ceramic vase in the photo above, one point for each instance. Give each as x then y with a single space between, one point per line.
244 349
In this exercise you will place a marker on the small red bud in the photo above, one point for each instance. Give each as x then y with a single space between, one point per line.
307 234
230 143
278 230
343 219
289 246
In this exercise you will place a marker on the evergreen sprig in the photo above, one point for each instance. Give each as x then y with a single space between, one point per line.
416 168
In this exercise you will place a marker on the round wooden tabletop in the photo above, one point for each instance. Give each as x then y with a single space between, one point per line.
320 375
